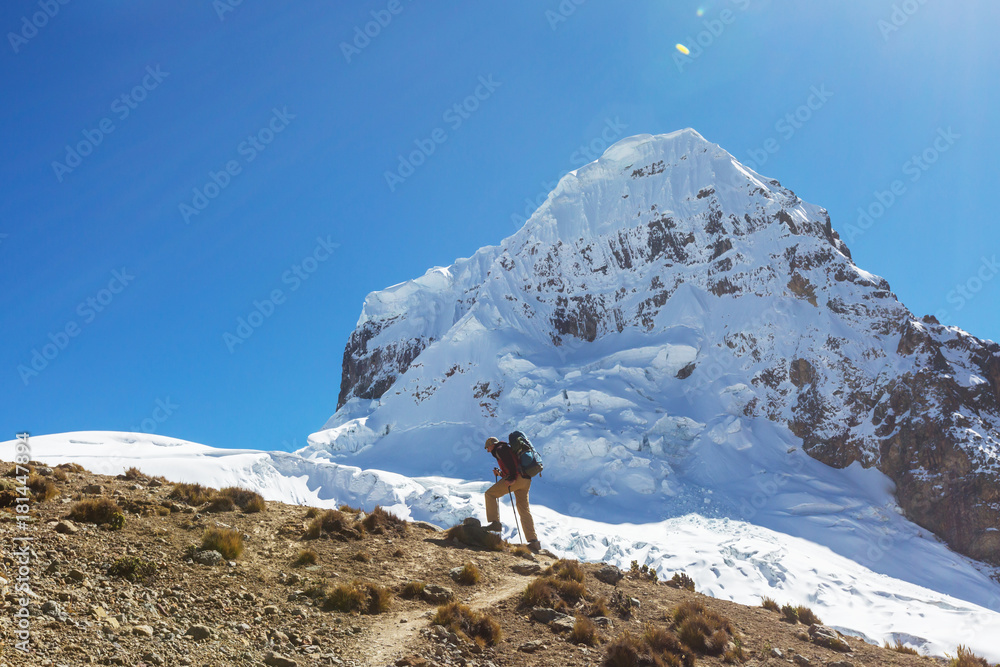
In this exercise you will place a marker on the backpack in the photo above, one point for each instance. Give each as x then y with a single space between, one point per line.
527 458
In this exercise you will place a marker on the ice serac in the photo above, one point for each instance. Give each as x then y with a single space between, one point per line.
670 321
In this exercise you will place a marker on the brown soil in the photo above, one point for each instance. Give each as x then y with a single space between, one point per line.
258 604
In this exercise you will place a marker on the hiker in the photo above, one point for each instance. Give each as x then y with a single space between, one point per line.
511 480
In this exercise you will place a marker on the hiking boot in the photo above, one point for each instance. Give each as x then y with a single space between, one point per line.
494 527
535 546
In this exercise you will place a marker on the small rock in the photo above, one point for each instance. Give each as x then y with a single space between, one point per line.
153 658
603 622
527 569
609 574
544 615
66 527
437 594
153 483
563 624
208 557
801 660
841 663
142 631
77 575
828 637
776 653
532 646
199 632
275 660
270 610
95 489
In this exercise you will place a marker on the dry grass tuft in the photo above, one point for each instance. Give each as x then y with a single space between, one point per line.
305 557
99 511
553 593
599 607
247 500
585 632
42 488
700 629
192 494
468 623
360 597
336 524
656 647
412 589
806 615
60 475
567 570
312 512
226 541
347 508
381 521
362 556
966 658
469 575
221 504
133 474
790 613
769 604
900 647
521 551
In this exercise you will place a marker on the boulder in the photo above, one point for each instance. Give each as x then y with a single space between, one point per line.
208 557
438 594
609 574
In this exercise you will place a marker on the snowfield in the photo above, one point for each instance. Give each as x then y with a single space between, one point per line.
904 584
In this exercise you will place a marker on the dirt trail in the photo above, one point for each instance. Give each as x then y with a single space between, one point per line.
391 638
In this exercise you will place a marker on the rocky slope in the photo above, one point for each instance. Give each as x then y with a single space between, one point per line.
666 298
265 608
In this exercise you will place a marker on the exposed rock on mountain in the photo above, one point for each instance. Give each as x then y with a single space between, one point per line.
663 301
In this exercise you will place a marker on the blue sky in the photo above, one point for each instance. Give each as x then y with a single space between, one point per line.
277 138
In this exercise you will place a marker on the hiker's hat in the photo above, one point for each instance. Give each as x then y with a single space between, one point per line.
491 442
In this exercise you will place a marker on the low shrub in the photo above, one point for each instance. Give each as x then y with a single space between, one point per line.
585 632
900 647
469 575
643 573
132 568
192 494
412 589
305 557
98 511
362 557
769 604
681 580
468 624
226 541
790 613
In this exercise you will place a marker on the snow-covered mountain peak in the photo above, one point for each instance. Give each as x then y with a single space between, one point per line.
669 321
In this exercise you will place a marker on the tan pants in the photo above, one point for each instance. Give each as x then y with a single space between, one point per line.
520 489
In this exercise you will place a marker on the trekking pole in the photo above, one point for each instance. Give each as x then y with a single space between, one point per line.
514 507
